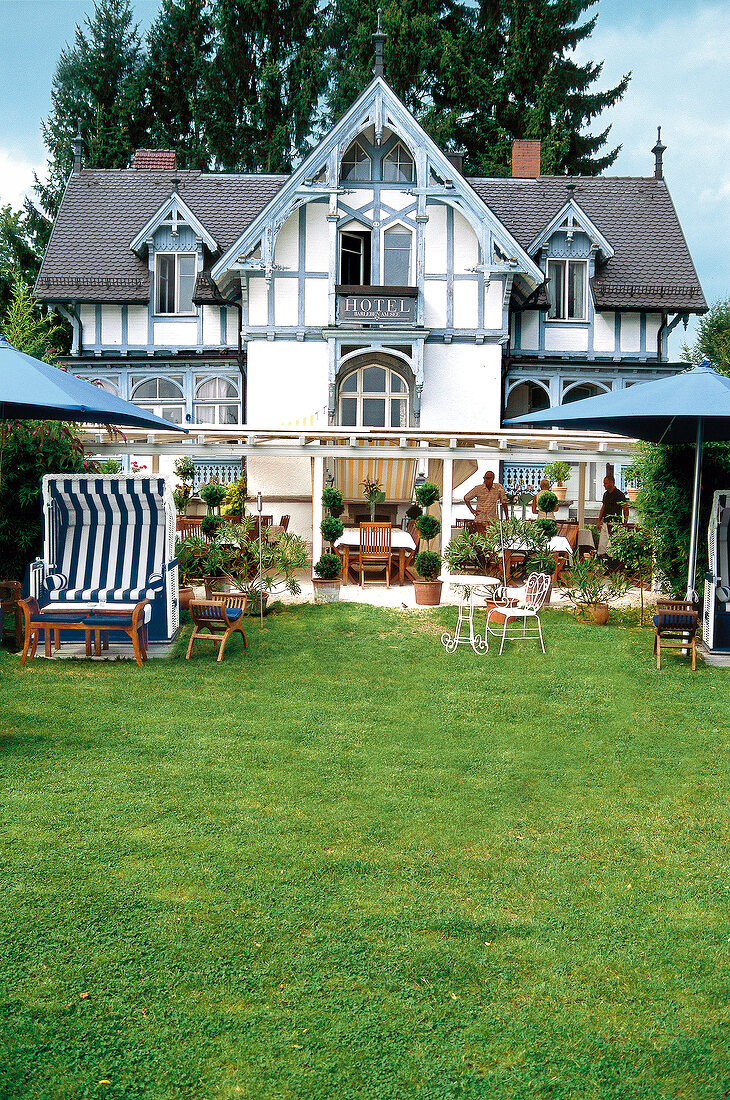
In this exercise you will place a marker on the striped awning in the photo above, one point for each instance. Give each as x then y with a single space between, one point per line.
396 475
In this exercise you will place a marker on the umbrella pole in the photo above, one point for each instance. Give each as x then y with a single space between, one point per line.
695 521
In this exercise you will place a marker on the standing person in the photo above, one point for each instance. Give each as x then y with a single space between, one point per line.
487 497
613 508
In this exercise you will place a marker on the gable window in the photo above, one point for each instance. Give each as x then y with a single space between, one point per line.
566 289
216 402
396 257
374 397
175 282
355 259
356 165
398 165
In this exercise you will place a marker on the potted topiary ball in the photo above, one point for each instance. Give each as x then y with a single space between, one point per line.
557 473
326 582
547 502
428 589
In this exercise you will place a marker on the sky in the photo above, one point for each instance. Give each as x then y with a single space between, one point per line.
677 51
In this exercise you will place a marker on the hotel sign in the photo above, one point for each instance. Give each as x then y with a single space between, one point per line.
379 304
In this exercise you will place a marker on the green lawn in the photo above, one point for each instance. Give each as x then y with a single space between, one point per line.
346 864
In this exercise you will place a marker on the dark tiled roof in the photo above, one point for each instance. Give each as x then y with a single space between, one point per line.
651 268
88 256
89 259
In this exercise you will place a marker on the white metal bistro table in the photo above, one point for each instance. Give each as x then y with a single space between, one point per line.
471 585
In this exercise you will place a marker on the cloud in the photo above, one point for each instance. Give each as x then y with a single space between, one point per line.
16 177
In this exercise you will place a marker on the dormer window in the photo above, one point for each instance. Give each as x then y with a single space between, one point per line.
398 165
175 282
566 289
356 165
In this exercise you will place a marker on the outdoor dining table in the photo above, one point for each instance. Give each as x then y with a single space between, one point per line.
350 540
470 586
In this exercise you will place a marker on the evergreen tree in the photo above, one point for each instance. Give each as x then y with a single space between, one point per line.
713 338
20 253
265 83
98 80
177 72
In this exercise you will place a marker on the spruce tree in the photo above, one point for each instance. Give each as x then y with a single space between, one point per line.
99 80
177 73
265 83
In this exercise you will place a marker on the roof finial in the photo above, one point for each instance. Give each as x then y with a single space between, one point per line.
658 152
570 187
379 39
175 184
78 148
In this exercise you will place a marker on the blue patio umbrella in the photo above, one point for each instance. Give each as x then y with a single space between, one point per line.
690 407
32 390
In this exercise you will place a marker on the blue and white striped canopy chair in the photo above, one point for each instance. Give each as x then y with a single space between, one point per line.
716 611
109 539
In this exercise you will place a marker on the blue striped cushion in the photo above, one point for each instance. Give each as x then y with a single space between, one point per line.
675 621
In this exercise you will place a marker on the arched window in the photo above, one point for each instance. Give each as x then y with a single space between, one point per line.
106 385
356 166
217 402
374 397
527 397
162 396
398 165
578 392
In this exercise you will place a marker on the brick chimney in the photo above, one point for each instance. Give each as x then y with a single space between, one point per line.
526 159
152 160
456 159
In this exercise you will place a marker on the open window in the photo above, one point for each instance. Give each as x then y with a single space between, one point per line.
175 274
567 289
355 258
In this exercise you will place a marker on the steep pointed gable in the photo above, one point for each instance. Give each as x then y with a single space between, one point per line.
377 109
570 220
173 213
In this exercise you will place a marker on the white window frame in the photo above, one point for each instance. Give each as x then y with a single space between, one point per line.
563 314
364 159
176 312
403 230
359 394
393 156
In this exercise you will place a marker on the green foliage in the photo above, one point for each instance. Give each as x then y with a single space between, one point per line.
236 497
713 338
634 549
665 504
548 526
589 582
28 450
110 466
213 493
26 328
472 553
184 468
413 511
331 528
427 526
210 524
427 564
557 472
427 494
20 251
331 497
328 567
188 565
547 501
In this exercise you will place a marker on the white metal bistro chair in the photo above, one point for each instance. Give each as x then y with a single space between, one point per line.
521 606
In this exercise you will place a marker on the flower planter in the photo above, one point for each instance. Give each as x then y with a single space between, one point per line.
326 590
560 491
632 494
595 614
428 593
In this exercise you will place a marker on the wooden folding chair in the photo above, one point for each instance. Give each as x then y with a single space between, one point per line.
676 625
220 617
375 539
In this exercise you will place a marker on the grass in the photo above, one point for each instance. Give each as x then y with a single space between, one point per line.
346 864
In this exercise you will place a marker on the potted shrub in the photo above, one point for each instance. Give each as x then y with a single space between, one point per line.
557 473
213 494
234 502
428 589
326 583
632 481
634 549
373 493
547 502
187 566
184 470
281 556
590 587
473 552
548 527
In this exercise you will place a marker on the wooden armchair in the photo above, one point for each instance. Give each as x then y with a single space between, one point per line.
10 592
676 625
220 617
375 540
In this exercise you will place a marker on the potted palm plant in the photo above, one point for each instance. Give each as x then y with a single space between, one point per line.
556 473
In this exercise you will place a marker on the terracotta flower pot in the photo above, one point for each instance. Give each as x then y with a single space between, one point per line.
595 614
326 590
428 593
560 491
185 595
632 494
